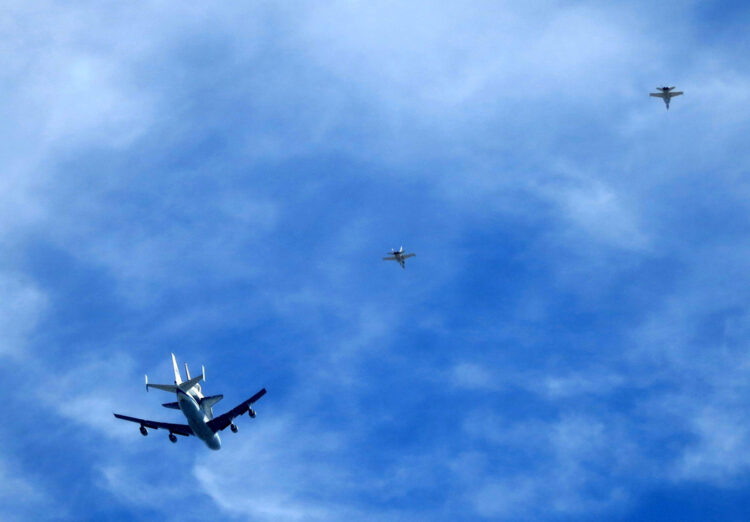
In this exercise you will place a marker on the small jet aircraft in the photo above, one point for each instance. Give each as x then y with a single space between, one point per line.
197 409
666 94
398 255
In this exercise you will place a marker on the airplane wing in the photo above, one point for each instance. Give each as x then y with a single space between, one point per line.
391 258
657 94
225 419
676 93
179 429
406 256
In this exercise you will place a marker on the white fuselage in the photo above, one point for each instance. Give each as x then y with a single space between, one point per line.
197 418
667 97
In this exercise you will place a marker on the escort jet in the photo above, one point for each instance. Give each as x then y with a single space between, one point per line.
398 255
665 94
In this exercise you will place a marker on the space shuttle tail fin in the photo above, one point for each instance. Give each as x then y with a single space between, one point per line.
177 376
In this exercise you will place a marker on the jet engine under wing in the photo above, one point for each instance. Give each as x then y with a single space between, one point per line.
179 429
224 420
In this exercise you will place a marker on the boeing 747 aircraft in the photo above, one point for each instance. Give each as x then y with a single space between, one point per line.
198 410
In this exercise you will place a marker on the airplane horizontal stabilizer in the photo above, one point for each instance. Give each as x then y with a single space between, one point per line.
185 386
165 387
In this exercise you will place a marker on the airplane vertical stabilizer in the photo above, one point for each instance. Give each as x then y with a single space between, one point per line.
207 403
177 377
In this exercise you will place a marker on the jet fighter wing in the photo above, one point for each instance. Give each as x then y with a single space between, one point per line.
179 429
406 256
657 94
676 93
225 419
391 258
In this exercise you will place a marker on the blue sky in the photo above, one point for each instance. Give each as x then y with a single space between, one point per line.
221 180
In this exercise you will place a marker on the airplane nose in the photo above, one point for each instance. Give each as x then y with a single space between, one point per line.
214 442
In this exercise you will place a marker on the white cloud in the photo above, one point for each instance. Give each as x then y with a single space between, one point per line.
576 384
23 498
157 489
691 349
599 212
410 53
720 452
506 500
62 94
21 307
707 406
279 469
473 376
551 385
67 92
577 467
95 388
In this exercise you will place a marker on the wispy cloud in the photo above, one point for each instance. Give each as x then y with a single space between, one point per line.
290 475
21 308
581 462
21 497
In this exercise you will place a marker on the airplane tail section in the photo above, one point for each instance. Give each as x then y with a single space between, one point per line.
179 384
187 385
211 400
207 403
177 376
164 387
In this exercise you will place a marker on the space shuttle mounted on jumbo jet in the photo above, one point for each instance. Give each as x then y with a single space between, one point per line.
197 408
